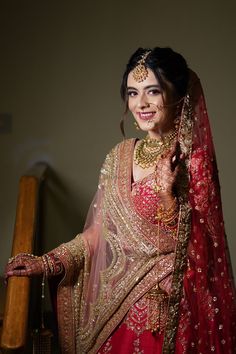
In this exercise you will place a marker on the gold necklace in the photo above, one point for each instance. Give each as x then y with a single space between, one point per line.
149 151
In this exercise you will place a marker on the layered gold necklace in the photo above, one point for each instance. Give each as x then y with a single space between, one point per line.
150 150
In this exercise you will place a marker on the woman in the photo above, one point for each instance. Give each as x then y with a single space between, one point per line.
150 273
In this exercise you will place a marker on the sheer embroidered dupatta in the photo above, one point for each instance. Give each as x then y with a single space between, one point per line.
123 259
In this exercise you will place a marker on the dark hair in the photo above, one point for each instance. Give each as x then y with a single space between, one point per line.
166 64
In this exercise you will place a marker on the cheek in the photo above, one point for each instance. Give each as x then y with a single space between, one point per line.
131 105
160 102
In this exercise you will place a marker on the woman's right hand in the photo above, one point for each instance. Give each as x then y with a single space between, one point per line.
24 265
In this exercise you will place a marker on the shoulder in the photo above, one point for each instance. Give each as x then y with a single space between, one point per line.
124 144
114 154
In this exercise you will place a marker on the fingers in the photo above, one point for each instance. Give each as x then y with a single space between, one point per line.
176 156
22 265
16 269
17 273
168 167
15 265
14 272
171 160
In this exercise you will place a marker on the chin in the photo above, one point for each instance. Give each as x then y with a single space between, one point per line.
144 129
148 127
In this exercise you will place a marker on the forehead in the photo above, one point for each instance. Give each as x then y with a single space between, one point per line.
150 80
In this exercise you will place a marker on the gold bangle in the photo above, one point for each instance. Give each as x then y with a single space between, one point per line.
168 215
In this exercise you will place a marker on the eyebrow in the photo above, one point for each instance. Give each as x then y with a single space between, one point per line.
145 88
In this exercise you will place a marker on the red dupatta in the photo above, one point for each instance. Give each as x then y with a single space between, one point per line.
204 310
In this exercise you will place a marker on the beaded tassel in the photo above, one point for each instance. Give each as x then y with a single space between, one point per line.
42 337
157 309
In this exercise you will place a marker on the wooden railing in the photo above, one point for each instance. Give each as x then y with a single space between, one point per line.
15 320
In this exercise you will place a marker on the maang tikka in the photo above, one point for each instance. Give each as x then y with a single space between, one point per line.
140 72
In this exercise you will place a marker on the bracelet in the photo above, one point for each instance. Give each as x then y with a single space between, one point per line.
55 262
168 215
11 259
170 218
170 229
52 265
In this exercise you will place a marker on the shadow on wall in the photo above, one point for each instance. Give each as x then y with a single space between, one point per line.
61 213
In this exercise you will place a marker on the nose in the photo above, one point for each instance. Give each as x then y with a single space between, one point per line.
142 103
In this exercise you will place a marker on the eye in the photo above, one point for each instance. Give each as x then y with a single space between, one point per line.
131 93
154 92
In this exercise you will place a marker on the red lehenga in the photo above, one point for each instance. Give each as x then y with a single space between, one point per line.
105 298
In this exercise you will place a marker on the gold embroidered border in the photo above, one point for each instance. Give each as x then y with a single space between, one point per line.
177 281
65 303
72 255
185 138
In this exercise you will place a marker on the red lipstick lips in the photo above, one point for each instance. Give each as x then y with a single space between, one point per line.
146 115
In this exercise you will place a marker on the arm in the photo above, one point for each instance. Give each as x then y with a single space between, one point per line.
70 254
50 264
167 170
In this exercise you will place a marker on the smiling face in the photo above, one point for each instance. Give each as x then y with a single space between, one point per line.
146 101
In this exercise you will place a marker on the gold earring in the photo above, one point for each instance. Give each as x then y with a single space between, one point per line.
136 125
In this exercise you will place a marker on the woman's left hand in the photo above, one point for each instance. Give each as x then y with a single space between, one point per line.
167 169
24 264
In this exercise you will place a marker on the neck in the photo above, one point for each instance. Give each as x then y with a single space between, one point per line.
161 131
160 135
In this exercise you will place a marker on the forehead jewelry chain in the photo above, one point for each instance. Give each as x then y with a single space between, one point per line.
140 72
150 150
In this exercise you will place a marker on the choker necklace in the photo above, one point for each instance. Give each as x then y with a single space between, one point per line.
150 150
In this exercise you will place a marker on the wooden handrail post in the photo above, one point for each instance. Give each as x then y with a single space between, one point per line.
15 321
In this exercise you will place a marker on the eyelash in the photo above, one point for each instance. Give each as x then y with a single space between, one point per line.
152 92
131 93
